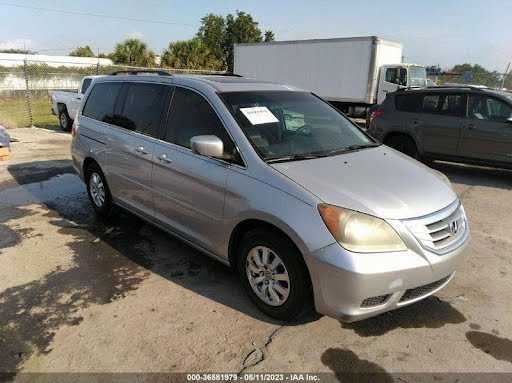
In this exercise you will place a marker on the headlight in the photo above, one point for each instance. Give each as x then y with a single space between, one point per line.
358 232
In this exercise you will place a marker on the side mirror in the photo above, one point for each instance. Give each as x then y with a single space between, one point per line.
509 120
210 146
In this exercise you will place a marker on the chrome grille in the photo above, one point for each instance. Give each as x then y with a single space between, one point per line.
421 291
442 231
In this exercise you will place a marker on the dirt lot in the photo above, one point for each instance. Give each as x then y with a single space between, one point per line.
81 295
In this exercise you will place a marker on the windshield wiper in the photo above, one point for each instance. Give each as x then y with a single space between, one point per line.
295 157
350 148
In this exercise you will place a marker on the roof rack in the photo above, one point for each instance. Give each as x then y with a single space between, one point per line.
477 87
138 71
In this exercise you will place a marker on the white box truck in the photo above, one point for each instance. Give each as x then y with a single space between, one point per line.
352 73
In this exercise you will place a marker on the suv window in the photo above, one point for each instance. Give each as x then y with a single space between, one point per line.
409 102
488 108
102 100
453 105
143 108
191 115
85 85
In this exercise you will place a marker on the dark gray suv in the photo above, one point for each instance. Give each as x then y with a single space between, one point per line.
460 124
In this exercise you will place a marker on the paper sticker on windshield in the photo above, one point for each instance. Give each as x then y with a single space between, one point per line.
259 115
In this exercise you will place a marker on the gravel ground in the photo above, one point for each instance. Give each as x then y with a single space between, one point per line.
80 295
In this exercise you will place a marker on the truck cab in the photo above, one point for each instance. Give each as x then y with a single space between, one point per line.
397 76
65 104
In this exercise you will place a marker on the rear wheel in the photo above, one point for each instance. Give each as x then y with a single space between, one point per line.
98 191
274 274
404 144
64 120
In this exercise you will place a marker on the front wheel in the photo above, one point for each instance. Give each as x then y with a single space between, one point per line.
274 274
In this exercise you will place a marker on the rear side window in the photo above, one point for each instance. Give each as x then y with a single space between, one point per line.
409 102
143 108
85 85
453 105
430 103
102 101
191 115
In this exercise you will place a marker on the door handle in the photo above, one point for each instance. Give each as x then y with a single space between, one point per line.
165 158
416 122
470 126
141 150
79 98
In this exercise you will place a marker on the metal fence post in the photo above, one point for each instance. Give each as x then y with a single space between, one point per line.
29 101
98 67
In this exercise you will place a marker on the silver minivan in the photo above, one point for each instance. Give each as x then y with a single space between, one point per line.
273 181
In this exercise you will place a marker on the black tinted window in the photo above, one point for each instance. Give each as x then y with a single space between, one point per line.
453 105
430 103
102 100
409 102
85 85
191 115
143 108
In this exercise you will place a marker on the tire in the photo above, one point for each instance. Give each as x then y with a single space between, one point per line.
98 191
65 121
298 300
405 145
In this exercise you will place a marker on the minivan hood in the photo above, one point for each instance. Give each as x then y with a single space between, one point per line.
378 181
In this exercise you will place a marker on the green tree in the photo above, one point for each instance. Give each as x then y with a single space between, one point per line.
481 76
133 52
220 34
82 52
190 54
21 51
269 36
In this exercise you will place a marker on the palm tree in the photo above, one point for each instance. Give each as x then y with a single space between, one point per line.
190 54
134 52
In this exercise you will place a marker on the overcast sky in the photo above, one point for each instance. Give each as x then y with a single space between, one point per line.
433 32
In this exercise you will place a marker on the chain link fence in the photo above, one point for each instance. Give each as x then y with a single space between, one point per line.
26 86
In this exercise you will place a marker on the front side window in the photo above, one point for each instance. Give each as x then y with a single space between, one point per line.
396 76
488 108
143 108
285 125
191 115
102 101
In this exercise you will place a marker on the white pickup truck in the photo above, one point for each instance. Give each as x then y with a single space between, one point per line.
65 104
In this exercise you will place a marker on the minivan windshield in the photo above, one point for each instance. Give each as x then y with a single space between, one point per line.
292 125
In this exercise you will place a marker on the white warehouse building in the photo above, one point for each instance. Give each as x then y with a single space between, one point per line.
16 59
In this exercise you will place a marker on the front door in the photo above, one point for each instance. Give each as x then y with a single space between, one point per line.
188 188
487 133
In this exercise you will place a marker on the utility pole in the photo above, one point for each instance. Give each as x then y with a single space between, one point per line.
504 77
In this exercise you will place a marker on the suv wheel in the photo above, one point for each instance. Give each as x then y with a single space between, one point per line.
404 144
274 274
64 120
98 191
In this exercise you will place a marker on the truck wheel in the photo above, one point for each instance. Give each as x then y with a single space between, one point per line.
98 191
274 274
64 120
405 145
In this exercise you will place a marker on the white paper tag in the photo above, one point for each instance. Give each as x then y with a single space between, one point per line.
259 115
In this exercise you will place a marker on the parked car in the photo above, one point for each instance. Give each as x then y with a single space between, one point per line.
65 103
275 182
460 124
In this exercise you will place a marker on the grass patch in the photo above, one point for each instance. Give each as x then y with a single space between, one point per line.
14 112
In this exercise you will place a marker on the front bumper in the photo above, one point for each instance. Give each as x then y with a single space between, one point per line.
353 286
